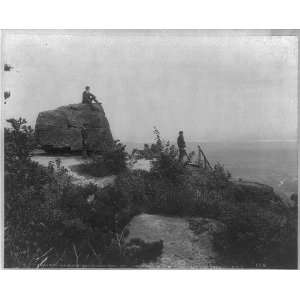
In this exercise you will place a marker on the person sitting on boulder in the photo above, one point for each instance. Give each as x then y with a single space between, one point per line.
88 97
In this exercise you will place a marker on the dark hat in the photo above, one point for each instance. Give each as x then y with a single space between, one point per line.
87 87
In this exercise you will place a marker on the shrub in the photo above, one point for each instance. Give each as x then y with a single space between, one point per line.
50 222
166 165
132 187
94 167
260 230
19 141
112 161
256 237
218 178
115 159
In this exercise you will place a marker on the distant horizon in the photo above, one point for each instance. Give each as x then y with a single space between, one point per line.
214 88
6 125
218 141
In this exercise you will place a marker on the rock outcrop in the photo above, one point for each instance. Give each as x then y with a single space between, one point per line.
182 247
254 192
61 129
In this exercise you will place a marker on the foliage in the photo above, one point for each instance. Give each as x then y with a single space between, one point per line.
146 153
19 141
258 237
218 178
112 161
131 187
115 159
50 222
54 223
166 165
94 167
260 230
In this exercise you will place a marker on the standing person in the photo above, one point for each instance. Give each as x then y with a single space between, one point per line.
88 97
84 136
181 146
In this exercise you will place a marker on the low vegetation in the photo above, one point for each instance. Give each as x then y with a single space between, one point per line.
50 222
112 161
260 231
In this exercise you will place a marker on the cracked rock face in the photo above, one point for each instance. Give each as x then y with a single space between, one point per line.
61 128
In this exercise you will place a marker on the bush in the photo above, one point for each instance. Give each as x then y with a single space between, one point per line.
257 237
132 188
166 165
260 230
94 167
19 141
112 161
115 159
218 178
50 222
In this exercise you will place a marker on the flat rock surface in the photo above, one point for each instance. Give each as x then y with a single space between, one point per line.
68 162
182 249
140 164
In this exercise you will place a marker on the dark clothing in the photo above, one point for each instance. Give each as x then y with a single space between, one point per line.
181 146
84 135
182 154
88 97
180 142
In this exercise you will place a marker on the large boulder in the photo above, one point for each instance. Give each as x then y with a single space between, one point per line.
60 129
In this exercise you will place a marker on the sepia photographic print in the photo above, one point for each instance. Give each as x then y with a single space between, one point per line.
149 149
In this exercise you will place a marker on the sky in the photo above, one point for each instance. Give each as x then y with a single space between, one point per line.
220 87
